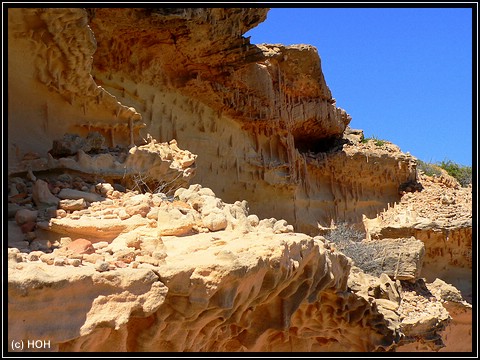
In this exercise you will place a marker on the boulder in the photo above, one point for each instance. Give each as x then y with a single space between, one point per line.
80 246
175 221
42 196
23 216
77 194
72 205
215 221
401 259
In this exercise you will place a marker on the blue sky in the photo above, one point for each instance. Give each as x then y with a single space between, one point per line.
403 74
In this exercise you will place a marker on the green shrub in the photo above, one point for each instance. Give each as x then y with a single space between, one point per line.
376 140
462 173
429 169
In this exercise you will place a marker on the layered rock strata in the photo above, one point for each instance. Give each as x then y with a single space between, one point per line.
440 215
261 116
264 109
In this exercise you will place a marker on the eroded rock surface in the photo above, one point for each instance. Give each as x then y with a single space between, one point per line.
56 79
252 285
441 216
189 75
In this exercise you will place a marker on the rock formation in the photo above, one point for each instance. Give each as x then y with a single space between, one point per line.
172 184
143 259
264 109
441 217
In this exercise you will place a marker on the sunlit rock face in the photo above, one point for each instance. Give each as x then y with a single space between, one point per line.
51 91
441 217
261 117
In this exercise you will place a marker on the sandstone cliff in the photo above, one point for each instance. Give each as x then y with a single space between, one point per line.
128 111
189 75
261 108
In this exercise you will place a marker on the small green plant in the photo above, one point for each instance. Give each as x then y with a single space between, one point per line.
376 140
429 169
462 173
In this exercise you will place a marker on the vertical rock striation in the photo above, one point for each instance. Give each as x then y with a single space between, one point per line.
253 112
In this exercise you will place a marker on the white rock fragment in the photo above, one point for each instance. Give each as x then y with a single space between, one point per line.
102 266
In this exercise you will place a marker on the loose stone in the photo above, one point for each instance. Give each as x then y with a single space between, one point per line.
102 266
59 261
